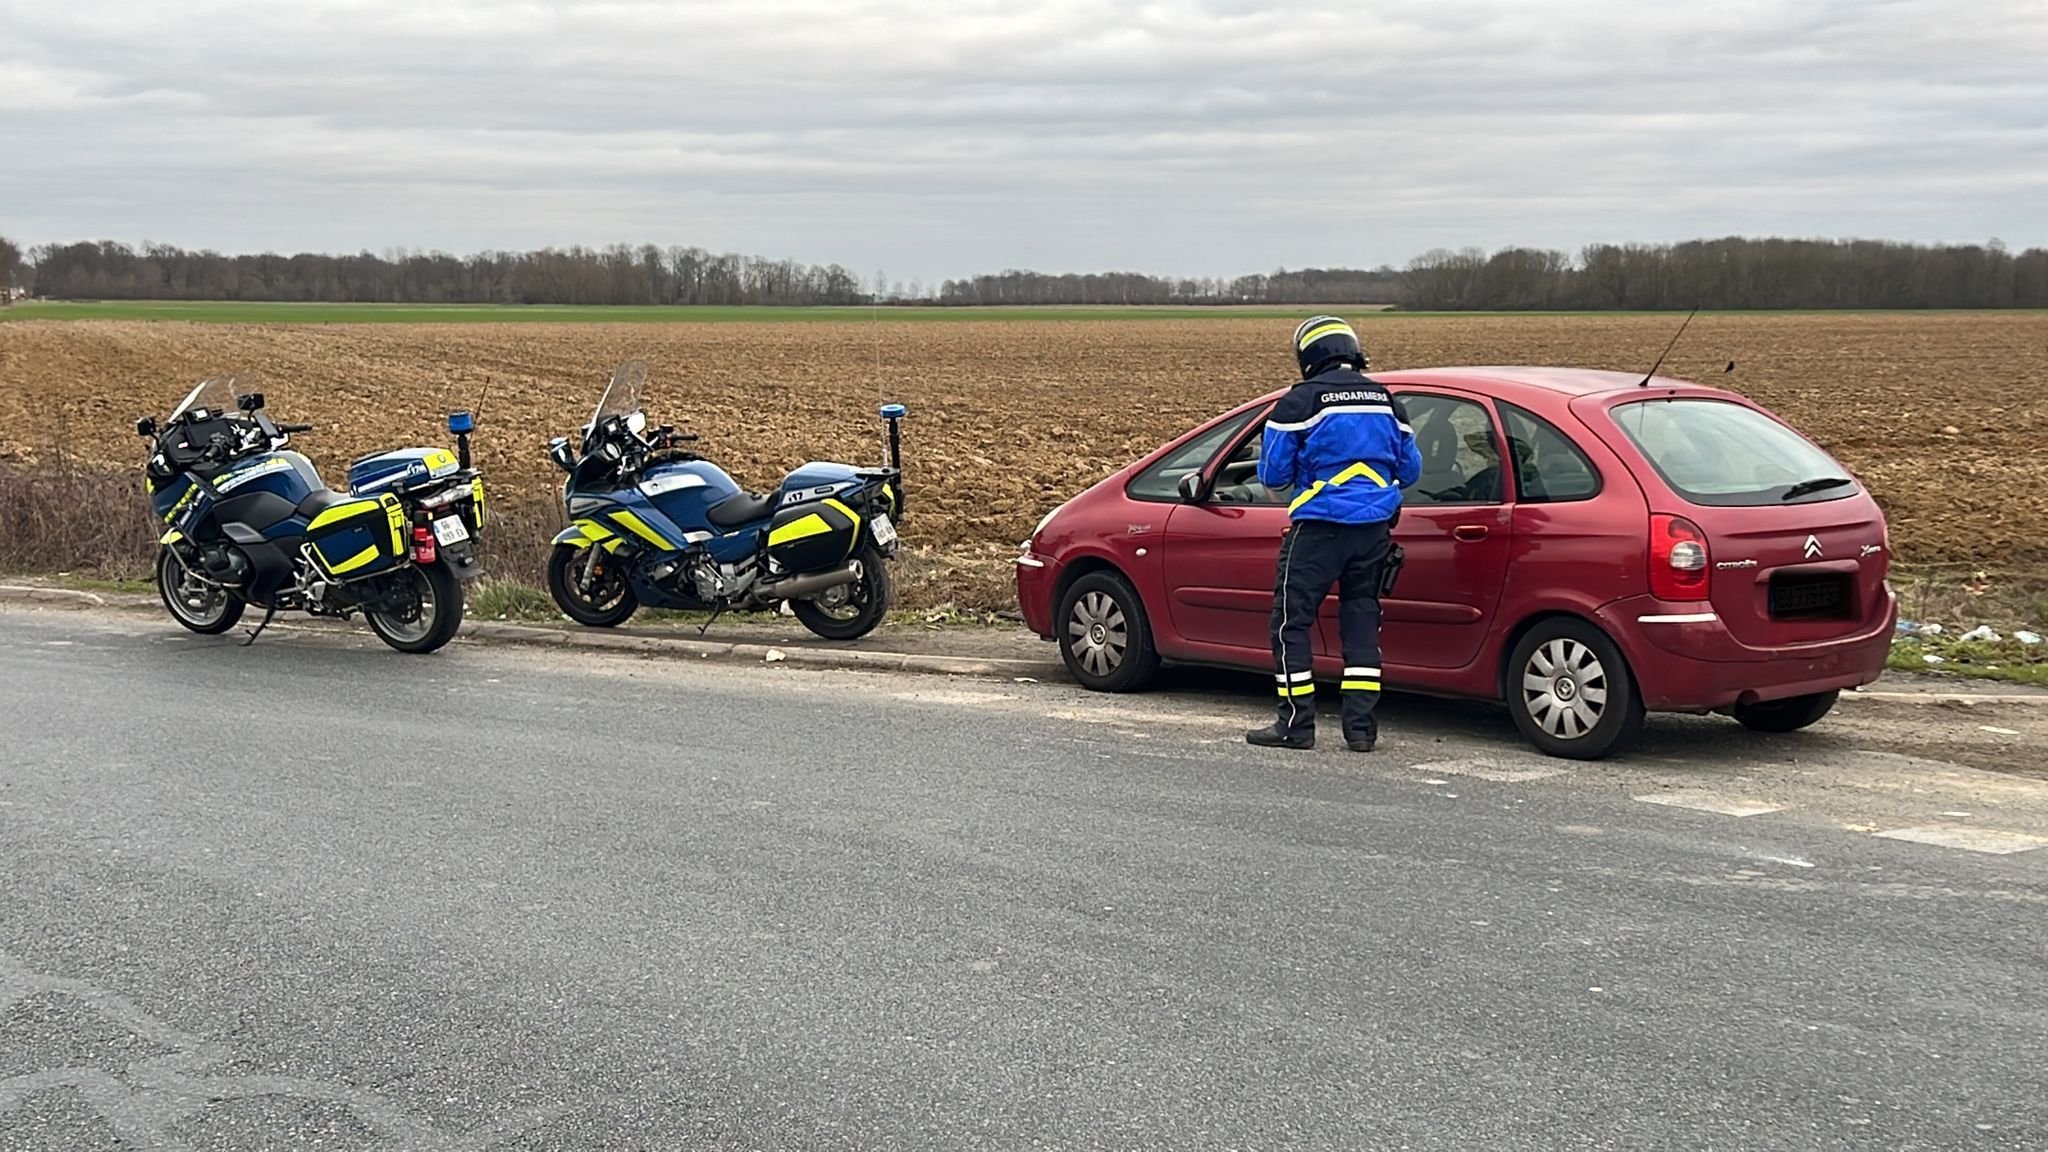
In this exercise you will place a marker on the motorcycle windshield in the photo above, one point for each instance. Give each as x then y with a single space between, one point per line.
621 396
215 394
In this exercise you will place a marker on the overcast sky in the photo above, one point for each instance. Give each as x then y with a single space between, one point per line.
941 137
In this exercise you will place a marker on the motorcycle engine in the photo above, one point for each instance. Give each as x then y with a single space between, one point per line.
224 564
715 582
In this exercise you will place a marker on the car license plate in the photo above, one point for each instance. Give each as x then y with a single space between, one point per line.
450 530
1819 597
885 532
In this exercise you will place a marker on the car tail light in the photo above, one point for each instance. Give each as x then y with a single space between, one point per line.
423 544
1678 559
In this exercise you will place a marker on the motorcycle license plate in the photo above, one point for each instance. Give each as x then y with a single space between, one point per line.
450 530
885 532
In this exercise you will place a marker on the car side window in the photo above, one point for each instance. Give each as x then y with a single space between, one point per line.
1460 453
1237 481
1162 480
1549 468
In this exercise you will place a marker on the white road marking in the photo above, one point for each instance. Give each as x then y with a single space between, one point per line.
1487 770
1702 801
1967 839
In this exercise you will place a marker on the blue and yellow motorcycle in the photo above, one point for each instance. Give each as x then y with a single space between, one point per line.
651 523
248 522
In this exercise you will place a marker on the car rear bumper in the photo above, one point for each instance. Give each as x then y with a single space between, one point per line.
1686 660
1036 578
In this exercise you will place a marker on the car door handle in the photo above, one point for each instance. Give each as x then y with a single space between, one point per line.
1469 532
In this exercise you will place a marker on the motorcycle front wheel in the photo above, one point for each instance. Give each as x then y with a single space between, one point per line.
198 605
850 611
607 603
421 609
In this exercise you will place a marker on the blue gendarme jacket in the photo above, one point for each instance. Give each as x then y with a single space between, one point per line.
1342 441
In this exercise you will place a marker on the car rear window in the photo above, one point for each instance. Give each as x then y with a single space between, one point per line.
1719 454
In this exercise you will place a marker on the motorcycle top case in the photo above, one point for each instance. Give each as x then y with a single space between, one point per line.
358 538
405 468
814 536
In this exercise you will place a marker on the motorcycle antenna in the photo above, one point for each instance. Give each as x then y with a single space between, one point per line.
1647 376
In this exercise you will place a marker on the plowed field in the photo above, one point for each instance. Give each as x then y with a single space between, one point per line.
1943 415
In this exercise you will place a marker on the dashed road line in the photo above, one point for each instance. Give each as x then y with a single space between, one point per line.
1699 800
1967 839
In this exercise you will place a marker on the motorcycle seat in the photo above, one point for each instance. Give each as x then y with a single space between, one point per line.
320 500
740 508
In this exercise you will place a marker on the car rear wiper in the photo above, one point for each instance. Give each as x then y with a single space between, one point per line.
1809 487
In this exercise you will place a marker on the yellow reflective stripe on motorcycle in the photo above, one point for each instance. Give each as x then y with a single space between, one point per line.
180 505
804 529
849 513
394 510
1361 685
172 537
342 512
592 531
638 527
476 494
439 462
354 562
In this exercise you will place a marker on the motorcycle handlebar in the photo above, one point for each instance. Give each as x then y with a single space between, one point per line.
288 429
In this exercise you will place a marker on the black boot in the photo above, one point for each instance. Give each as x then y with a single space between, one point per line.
1361 743
1277 737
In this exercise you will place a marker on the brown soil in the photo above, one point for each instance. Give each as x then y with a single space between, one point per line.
1942 414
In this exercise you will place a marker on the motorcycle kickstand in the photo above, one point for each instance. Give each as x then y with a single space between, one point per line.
269 614
717 610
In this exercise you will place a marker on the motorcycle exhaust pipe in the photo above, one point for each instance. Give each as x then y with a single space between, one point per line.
800 587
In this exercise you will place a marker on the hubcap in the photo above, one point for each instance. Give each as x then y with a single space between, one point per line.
1098 635
1564 689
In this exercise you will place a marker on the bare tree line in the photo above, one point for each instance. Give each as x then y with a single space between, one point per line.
1730 273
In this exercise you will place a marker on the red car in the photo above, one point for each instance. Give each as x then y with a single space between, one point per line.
1664 547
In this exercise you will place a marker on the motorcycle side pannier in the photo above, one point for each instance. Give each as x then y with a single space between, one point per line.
813 536
358 538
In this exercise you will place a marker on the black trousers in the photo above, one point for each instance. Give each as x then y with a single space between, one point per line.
1314 555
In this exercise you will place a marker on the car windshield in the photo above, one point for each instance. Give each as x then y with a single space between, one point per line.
213 395
622 395
1720 454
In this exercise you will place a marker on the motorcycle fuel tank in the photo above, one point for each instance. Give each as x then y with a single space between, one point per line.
685 490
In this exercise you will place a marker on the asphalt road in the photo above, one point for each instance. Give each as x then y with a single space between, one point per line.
316 894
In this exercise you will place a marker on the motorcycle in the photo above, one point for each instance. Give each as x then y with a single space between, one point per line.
654 524
250 522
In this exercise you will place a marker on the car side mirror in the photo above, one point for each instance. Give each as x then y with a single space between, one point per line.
249 402
1191 488
146 427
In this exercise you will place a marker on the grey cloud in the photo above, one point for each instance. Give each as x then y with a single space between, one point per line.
935 140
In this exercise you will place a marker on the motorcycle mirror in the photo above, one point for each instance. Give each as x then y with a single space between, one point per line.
249 402
1191 488
146 427
558 451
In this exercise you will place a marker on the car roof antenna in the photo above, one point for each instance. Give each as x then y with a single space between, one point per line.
1647 376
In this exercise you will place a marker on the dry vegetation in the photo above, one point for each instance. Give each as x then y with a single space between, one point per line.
1942 414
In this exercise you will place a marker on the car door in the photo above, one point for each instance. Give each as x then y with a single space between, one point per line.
1222 552
1456 530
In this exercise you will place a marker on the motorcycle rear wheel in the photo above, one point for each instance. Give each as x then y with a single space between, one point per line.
608 605
207 609
850 611
429 623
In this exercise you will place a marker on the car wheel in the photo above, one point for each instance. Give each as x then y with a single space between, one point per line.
1571 692
1786 715
1105 638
